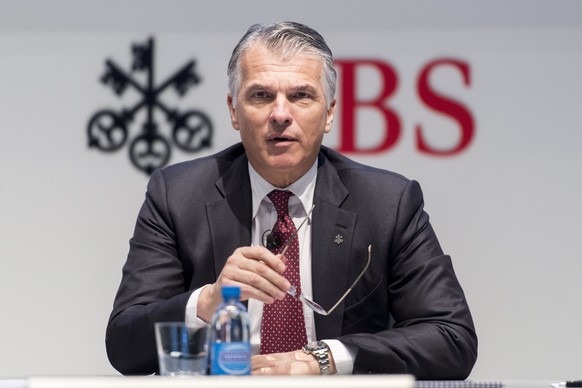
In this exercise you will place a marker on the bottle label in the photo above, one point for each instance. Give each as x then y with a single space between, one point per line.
230 358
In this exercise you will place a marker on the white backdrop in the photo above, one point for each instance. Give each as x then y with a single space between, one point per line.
507 208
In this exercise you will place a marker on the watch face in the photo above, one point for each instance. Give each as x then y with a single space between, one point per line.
315 345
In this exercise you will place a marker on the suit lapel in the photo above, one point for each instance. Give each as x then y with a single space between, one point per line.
229 219
332 232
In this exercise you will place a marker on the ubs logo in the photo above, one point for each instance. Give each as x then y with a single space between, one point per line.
108 129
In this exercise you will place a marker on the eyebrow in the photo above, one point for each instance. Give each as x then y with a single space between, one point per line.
302 87
256 86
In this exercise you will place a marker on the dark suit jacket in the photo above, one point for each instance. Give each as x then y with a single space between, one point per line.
408 314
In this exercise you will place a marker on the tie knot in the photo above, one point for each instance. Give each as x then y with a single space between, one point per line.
280 199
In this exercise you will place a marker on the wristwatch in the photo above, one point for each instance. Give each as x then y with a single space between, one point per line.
320 351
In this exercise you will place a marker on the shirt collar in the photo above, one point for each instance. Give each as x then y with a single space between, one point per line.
303 188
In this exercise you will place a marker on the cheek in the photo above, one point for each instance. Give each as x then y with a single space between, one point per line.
314 124
253 117
249 127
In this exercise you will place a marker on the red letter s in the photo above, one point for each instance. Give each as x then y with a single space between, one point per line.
446 106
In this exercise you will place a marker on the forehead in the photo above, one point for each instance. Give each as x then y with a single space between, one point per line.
258 63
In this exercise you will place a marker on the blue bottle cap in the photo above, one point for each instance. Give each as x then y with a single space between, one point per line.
230 292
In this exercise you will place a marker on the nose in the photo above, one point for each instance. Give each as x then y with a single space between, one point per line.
281 114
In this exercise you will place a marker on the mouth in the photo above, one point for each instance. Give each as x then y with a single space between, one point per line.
280 139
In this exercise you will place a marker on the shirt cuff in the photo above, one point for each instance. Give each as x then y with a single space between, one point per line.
191 313
343 356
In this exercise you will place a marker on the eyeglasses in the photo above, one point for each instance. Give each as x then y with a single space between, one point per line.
316 307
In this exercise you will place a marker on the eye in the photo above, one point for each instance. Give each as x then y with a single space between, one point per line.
301 95
260 95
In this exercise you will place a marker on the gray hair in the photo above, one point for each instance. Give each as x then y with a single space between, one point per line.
286 39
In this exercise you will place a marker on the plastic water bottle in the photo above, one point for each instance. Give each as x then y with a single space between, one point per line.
229 336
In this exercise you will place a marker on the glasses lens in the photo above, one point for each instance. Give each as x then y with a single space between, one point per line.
312 305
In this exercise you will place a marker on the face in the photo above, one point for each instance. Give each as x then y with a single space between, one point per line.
281 113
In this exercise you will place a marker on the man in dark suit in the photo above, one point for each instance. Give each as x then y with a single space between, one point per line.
202 226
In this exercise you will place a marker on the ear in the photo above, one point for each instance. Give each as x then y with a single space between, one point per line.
232 112
330 114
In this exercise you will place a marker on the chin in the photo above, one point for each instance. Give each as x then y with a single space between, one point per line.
284 165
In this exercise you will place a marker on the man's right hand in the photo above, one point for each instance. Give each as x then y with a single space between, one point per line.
256 270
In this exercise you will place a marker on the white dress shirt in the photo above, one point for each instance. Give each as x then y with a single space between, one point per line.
264 217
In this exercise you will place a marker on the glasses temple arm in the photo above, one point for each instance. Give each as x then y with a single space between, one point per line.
354 283
288 242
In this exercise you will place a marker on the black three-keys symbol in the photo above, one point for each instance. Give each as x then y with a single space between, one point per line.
108 130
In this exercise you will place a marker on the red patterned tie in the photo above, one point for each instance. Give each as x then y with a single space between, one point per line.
283 324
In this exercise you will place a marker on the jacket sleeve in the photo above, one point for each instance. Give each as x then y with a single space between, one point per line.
433 336
152 287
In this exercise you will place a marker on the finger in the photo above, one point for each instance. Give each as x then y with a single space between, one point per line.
253 285
276 262
256 279
260 263
261 360
291 363
265 264
262 365
262 291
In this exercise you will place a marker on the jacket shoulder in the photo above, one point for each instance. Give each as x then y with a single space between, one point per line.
348 169
211 166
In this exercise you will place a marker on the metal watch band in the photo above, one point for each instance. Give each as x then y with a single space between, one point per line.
320 351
